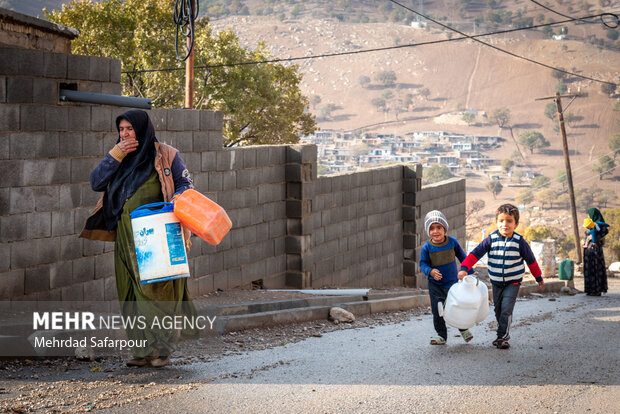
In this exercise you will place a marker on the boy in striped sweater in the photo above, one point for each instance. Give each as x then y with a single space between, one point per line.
507 251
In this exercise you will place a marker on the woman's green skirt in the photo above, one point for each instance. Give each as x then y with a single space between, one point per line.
153 306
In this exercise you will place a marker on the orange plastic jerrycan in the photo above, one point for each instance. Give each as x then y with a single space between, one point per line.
203 217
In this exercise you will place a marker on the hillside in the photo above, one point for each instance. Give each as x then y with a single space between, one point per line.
459 75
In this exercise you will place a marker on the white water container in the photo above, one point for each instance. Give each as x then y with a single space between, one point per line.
544 251
465 304
159 242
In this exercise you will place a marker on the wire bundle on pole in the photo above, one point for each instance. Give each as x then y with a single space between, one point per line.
184 16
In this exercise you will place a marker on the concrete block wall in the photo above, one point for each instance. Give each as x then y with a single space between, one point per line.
357 229
290 227
449 197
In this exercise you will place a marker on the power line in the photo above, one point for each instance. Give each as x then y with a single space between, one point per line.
474 38
380 49
583 19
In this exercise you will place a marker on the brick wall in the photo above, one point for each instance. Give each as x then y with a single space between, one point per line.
290 227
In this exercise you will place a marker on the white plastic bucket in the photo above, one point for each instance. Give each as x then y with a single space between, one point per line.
159 242
544 251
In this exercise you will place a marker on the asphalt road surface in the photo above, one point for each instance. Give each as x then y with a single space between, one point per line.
564 358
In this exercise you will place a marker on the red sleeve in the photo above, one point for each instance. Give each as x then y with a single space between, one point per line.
535 269
469 261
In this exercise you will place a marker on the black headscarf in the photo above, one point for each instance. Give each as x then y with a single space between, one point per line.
135 168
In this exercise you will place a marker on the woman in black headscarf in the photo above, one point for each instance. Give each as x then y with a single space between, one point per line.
139 170
594 271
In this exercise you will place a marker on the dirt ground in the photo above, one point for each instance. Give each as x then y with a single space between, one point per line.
61 385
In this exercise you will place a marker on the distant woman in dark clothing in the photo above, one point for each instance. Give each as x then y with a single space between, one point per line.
594 271
139 170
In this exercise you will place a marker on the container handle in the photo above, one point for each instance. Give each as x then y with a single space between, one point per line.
153 206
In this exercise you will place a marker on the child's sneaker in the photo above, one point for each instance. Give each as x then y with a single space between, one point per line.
501 343
438 340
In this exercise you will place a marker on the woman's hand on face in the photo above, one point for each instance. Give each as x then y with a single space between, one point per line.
128 145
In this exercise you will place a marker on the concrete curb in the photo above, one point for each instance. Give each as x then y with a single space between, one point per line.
243 316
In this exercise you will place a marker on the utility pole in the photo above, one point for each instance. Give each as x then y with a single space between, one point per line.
569 174
189 64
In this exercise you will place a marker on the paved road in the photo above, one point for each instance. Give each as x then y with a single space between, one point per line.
564 359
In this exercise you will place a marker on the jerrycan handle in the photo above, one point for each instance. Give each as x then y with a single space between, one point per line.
477 279
152 208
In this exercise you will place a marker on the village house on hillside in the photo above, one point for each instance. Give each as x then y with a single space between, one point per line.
340 151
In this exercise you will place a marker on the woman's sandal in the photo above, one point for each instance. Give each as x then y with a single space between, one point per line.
438 340
137 362
467 336
501 343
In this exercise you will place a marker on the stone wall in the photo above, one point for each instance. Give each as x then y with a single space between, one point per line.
290 227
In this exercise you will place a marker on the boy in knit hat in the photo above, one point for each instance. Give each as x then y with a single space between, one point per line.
437 261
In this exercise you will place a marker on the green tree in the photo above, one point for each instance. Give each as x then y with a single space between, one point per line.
614 144
468 117
262 104
507 164
561 87
473 207
425 92
378 103
533 139
539 182
564 244
494 187
605 165
363 80
551 111
561 178
603 197
386 77
436 173
608 88
612 240
524 196
558 74
544 196
501 116
315 100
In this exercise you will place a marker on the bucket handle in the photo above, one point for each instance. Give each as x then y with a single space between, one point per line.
153 206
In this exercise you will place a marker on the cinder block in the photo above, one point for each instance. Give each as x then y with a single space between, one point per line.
208 160
9 61
94 290
277 154
70 196
115 70
176 119
83 269
63 222
2 89
56 118
11 173
104 265
293 154
293 172
61 274
34 145
32 118
249 157
70 247
30 62
184 142
99 69
44 91
159 118
200 141
224 159
5 257
39 225
55 65
21 200
12 284
37 279
92 144
46 198
72 293
81 168
78 118
102 119
78 67
19 90
13 227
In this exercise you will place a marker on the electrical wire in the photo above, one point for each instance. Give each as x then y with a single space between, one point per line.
184 16
354 52
582 19
474 38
